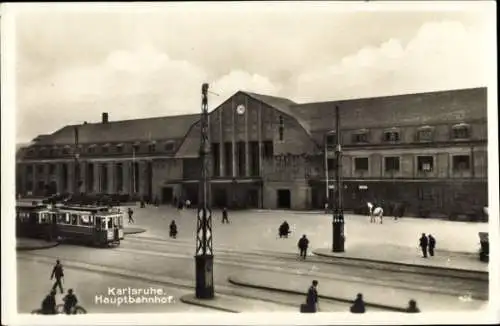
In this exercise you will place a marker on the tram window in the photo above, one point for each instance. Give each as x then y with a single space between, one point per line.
103 223
84 220
98 221
91 219
74 219
110 223
43 218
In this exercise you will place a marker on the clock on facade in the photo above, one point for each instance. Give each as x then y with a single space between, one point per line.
240 109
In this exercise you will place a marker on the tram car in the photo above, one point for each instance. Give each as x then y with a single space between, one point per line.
35 220
99 226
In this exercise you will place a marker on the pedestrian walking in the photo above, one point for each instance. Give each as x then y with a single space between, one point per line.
312 297
432 244
358 306
188 203
58 273
130 216
173 229
225 216
412 307
303 245
424 242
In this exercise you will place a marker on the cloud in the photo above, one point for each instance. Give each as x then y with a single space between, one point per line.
145 79
442 55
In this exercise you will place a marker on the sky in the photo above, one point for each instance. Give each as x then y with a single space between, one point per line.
72 65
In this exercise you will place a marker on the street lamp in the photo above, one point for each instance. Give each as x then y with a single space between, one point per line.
204 258
338 213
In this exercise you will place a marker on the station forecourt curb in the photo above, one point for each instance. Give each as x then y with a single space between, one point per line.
133 230
326 253
217 303
235 281
34 244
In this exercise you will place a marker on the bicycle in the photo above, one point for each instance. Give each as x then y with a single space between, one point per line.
76 310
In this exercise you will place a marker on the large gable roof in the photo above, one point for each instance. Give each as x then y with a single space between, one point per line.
168 127
281 104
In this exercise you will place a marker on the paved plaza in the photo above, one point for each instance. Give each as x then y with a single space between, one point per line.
257 230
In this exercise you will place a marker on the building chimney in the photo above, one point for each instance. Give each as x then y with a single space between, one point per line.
105 117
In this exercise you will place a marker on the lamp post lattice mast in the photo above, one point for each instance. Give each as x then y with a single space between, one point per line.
338 213
204 258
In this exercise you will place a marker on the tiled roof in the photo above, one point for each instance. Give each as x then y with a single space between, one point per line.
420 108
168 127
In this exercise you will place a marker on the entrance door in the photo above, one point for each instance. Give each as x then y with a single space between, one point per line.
167 195
220 198
253 198
284 198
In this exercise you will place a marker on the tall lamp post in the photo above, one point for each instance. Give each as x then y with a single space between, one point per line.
338 213
204 258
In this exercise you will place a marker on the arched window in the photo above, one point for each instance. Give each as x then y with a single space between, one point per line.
461 131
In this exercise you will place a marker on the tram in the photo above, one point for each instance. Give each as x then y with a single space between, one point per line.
98 226
34 220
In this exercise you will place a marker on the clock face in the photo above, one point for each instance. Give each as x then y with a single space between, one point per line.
240 109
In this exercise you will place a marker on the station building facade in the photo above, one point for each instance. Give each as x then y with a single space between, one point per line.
428 150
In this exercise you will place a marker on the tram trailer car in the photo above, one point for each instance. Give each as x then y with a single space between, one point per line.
34 220
97 226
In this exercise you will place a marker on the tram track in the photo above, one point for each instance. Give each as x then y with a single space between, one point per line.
287 264
334 261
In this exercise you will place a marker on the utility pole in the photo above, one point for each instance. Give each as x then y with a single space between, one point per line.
76 170
338 213
204 258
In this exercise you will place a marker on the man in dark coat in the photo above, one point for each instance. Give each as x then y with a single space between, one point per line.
359 305
412 307
49 304
173 230
303 245
130 214
312 297
284 230
225 216
432 245
58 273
423 245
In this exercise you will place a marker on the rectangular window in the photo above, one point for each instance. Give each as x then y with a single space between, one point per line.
74 219
90 149
228 159
391 164
331 140
152 148
461 162
84 220
268 151
104 149
361 164
241 155
119 149
461 132
52 169
65 151
424 135
216 159
169 147
119 177
425 163
331 163
110 223
29 169
391 136
359 138
281 129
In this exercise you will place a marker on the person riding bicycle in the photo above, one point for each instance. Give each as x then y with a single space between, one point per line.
49 304
70 302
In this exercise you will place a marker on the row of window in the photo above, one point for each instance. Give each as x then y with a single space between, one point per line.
103 149
393 164
424 134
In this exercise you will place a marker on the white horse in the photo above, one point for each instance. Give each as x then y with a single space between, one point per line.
375 212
